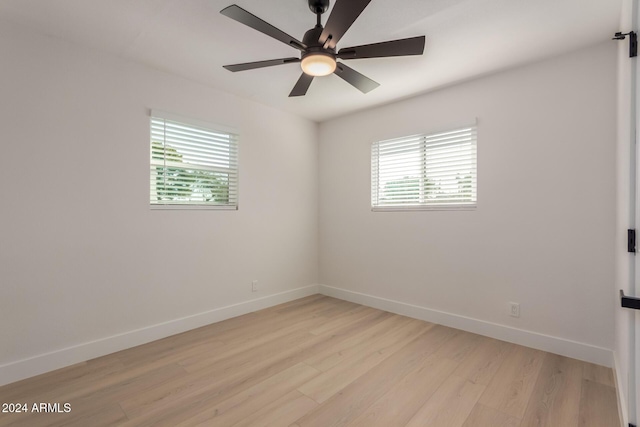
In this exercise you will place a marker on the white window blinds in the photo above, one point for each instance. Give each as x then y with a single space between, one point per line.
193 165
425 171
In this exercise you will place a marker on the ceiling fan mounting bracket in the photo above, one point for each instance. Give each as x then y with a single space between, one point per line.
318 6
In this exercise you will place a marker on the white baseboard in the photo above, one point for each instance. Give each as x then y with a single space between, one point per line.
561 346
25 368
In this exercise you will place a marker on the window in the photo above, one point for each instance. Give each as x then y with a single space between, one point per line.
425 171
192 165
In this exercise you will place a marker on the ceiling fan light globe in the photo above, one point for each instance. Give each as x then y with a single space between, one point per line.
318 65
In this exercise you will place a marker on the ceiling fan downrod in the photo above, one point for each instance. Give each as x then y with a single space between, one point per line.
318 7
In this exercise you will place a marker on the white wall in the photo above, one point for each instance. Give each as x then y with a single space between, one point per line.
543 232
82 257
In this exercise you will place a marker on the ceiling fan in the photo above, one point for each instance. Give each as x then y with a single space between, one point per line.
318 46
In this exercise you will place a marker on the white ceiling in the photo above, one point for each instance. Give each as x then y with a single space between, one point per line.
190 38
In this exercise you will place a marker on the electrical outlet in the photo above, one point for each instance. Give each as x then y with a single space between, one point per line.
513 309
254 286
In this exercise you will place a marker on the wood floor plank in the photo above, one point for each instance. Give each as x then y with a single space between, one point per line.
273 322
482 365
598 406
483 416
211 389
232 359
556 397
298 303
327 358
460 346
598 374
175 343
339 307
333 340
214 378
398 405
111 394
338 321
354 399
335 379
249 345
450 405
251 400
245 346
209 393
177 349
511 387
302 304
128 380
280 413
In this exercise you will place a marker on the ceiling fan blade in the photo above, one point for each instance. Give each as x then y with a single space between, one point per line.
402 47
300 89
260 64
237 13
343 15
361 82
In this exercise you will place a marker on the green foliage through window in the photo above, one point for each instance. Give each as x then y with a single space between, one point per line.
192 166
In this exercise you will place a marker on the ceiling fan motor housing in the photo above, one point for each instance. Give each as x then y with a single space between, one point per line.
315 50
312 40
314 47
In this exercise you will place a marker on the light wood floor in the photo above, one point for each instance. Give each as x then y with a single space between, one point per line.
323 362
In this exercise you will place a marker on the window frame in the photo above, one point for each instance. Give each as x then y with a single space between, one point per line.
424 206
206 125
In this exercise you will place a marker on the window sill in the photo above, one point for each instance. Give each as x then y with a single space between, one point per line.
193 207
424 208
